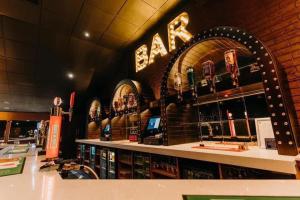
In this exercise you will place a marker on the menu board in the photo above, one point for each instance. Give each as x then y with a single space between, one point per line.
200 197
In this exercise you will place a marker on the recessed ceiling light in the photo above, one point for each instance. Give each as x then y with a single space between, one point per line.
86 34
70 75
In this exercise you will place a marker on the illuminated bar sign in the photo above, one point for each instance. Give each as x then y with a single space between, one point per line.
176 29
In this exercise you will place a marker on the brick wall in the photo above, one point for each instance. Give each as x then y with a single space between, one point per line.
275 22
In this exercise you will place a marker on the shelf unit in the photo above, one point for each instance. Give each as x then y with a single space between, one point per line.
141 165
111 164
236 172
164 167
125 164
86 158
243 91
191 169
103 163
79 154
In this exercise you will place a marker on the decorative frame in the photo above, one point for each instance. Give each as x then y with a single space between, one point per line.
88 115
138 99
283 122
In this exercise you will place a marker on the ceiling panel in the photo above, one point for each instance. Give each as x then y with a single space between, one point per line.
2 64
162 11
67 10
20 31
19 50
19 66
110 7
43 41
1 18
93 20
134 8
1 47
111 41
23 10
3 77
156 3
121 28
3 89
55 44
4 97
55 22
22 90
20 79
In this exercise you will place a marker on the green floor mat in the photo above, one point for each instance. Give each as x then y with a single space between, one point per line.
15 170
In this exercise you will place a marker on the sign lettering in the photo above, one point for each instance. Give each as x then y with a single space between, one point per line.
176 29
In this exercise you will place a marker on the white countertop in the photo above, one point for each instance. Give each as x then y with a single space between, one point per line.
35 185
253 158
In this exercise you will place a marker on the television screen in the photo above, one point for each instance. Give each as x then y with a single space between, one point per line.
153 123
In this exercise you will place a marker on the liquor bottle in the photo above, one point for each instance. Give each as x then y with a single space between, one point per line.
191 79
231 124
178 86
247 124
208 70
232 65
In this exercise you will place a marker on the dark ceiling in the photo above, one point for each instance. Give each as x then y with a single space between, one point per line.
42 40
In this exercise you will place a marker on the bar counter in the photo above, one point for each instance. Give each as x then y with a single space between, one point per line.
253 158
33 184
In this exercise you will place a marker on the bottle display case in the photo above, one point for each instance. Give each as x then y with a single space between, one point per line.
86 157
164 167
141 168
235 172
103 163
93 157
191 169
128 111
94 118
80 153
216 88
111 165
217 93
125 164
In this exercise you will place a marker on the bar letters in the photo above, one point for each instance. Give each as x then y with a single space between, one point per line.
176 28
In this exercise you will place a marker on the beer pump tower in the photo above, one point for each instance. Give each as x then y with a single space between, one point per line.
55 124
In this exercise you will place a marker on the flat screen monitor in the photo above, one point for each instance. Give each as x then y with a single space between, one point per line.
107 128
153 123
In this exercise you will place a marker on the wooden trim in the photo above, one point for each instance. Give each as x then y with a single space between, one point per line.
23 116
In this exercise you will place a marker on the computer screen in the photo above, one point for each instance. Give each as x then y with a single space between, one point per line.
153 123
107 128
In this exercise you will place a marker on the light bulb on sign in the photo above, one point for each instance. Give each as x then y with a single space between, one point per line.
157 48
86 34
141 58
180 31
70 75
